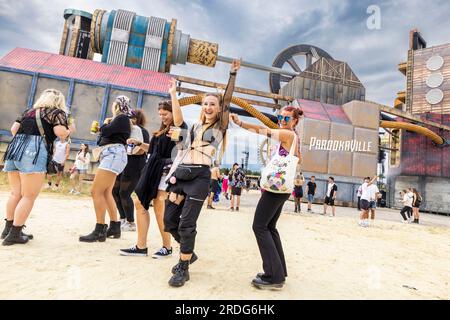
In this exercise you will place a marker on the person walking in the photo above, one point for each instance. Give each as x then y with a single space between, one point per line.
237 182
61 151
330 197
79 169
214 187
298 192
311 188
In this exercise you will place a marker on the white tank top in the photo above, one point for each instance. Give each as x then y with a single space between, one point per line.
60 151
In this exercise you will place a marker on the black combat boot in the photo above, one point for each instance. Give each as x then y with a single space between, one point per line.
113 230
15 236
8 225
181 274
99 234
193 259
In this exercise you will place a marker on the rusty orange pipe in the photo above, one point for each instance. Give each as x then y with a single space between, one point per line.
415 128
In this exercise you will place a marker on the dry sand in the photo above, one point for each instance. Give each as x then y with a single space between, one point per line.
327 258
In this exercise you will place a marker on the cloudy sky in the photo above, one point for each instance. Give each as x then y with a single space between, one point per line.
258 30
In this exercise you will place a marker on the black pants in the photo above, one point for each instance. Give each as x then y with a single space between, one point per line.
408 211
298 201
359 203
267 213
181 220
124 186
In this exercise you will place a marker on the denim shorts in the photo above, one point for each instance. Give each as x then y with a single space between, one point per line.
372 205
310 197
113 158
25 165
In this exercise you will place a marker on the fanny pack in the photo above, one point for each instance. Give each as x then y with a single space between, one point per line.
187 173
96 152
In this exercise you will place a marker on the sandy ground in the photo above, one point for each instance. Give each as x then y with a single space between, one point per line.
327 258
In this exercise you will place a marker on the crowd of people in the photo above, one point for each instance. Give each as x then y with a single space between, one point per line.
174 170
166 170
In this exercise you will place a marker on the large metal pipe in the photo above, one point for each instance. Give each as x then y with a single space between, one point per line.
258 66
415 128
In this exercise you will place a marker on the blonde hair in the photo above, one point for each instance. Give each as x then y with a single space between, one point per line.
51 98
116 109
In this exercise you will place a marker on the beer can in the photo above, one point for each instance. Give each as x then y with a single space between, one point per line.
130 148
176 131
94 127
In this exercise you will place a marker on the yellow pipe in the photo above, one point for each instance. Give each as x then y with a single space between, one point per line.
238 101
415 128
258 115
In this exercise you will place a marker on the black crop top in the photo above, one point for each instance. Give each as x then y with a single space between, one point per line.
51 117
118 131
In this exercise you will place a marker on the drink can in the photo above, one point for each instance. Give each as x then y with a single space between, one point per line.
176 131
94 127
130 148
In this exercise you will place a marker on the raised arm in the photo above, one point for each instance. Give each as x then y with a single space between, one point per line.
176 109
282 135
225 110
373 180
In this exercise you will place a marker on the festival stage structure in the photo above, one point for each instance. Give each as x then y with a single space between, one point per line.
339 130
415 160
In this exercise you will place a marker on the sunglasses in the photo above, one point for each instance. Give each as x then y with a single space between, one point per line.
286 118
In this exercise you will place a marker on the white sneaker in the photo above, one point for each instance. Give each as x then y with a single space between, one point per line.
122 222
363 223
77 193
47 186
128 226
71 191
405 221
55 188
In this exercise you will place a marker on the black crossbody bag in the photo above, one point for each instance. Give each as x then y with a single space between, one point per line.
51 165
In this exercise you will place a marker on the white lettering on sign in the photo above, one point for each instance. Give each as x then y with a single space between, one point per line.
340 145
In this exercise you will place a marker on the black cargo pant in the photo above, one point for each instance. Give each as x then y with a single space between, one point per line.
267 213
408 211
181 220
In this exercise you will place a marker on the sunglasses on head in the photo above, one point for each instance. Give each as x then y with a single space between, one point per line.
286 118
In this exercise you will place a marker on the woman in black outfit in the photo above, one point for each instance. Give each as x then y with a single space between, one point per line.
270 205
417 200
113 160
126 181
298 192
189 184
152 185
